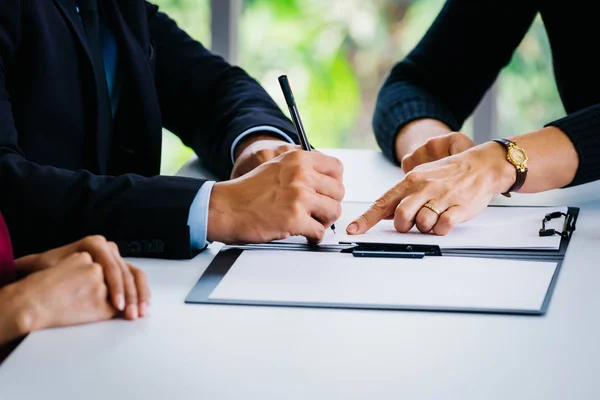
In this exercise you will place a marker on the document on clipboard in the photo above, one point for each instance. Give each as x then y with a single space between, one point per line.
508 228
507 262
336 280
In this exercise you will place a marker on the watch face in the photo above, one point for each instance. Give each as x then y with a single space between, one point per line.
517 155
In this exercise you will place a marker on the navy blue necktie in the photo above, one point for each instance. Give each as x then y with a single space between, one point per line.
90 18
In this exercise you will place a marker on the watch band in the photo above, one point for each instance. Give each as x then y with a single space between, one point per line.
521 172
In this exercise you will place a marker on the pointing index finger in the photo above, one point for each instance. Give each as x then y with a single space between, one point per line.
381 209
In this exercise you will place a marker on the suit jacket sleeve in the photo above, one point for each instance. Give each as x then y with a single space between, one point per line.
204 100
446 75
46 207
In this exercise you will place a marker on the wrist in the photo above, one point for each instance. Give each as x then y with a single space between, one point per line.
251 139
19 317
414 134
220 226
503 174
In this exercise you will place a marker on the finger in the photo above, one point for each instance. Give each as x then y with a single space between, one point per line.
426 219
382 207
328 186
103 309
312 230
103 255
324 209
413 160
131 295
78 259
143 289
450 218
407 210
327 165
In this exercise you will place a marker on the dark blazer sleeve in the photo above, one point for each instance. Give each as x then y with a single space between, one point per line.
45 207
204 100
446 75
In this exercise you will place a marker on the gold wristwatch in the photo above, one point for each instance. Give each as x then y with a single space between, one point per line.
517 157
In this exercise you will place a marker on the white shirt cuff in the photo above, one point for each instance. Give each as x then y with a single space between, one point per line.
198 217
262 128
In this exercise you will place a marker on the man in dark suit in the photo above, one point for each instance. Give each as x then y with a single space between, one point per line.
86 87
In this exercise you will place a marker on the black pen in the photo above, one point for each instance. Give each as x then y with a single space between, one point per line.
291 103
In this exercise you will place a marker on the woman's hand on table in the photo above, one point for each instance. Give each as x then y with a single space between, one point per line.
457 187
128 289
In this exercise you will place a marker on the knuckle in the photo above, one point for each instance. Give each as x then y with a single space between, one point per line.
320 233
412 177
296 215
300 174
401 215
95 240
338 211
97 271
432 145
113 246
342 191
84 257
339 165
128 277
407 159
368 217
294 155
447 220
381 203
300 195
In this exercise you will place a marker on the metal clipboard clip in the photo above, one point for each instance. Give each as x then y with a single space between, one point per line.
387 250
568 227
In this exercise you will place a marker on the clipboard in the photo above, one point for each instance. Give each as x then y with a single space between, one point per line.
229 255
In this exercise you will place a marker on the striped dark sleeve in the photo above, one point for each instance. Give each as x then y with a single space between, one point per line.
400 103
583 128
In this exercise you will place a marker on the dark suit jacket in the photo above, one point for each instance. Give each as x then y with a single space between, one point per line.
54 187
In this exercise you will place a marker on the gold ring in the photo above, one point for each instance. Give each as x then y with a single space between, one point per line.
432 208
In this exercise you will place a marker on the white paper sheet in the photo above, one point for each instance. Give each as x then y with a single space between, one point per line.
446 282
495 228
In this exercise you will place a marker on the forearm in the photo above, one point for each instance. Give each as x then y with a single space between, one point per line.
15 321
416 133
552 161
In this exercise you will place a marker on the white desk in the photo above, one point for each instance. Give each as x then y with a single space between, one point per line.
226 352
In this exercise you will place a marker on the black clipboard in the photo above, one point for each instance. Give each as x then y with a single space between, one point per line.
226 258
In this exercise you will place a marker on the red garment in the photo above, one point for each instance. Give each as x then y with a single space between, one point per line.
7 273
7 264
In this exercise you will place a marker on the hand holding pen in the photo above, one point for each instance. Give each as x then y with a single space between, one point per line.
291 103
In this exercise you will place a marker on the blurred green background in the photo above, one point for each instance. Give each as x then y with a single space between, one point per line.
337 54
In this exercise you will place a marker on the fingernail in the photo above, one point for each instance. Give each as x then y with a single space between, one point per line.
120 302
143 309
132 310
352 228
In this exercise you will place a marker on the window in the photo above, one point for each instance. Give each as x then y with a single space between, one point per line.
337 54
